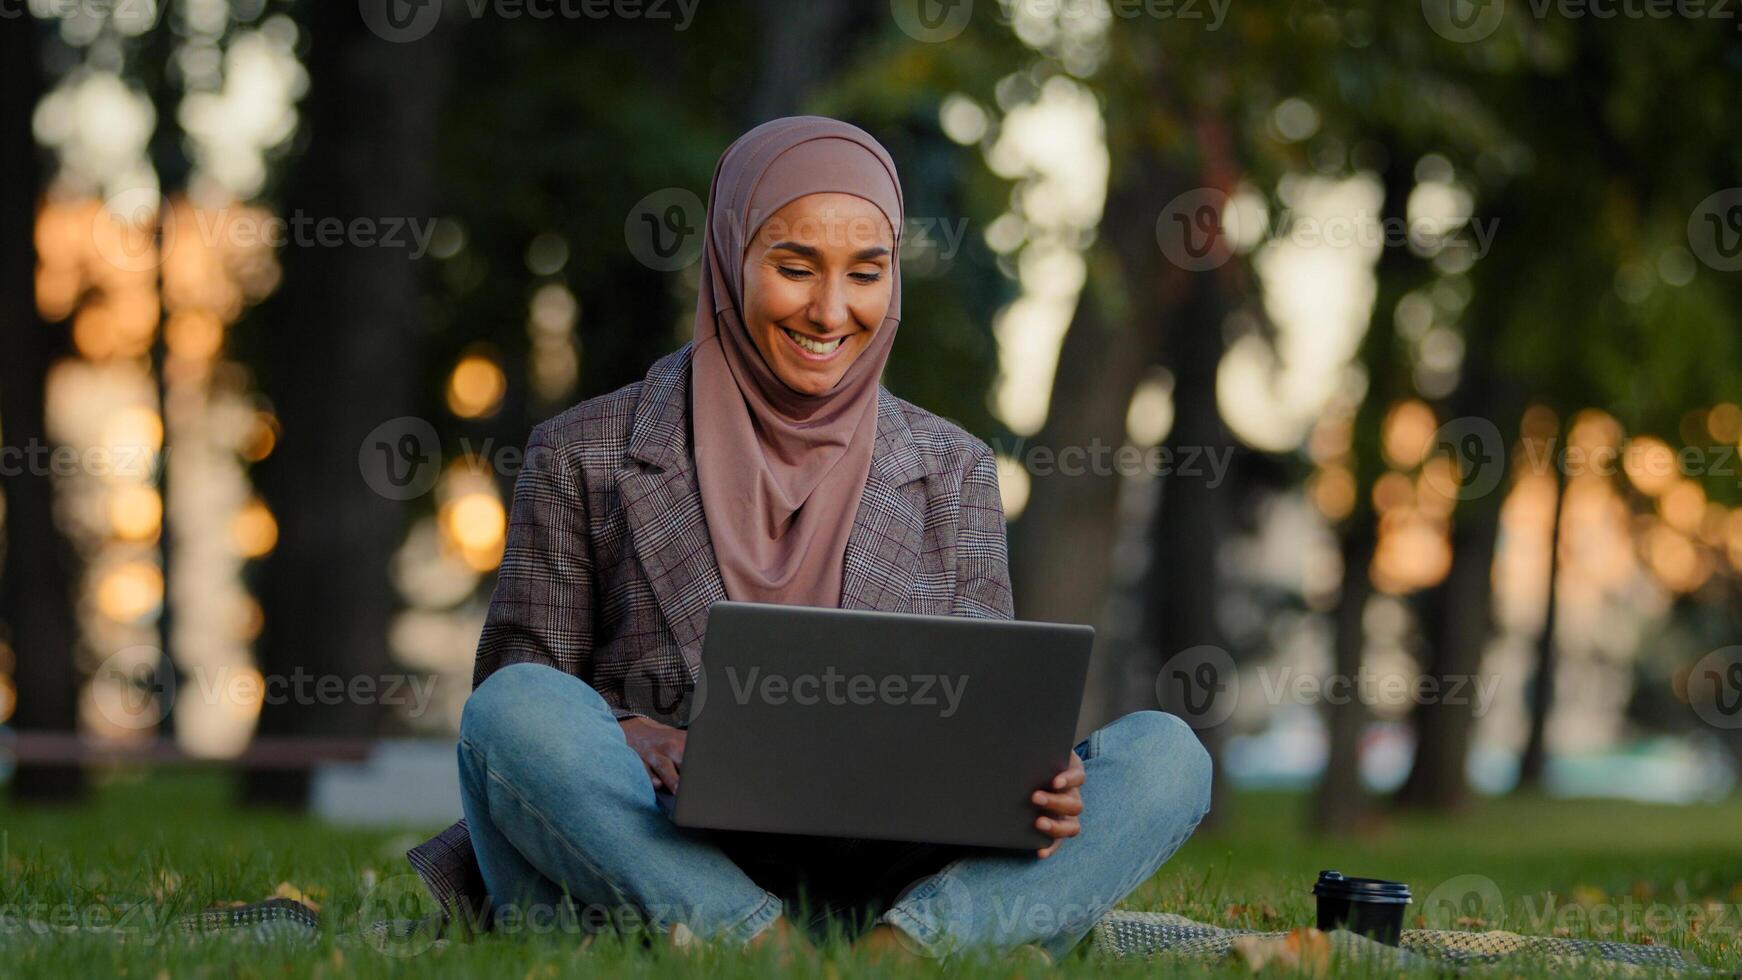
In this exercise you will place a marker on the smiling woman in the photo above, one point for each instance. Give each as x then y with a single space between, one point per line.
798 311
764 462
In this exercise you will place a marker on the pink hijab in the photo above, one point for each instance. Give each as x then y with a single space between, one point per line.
781 472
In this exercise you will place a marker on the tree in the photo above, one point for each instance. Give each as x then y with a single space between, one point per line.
36 581
1340 800
1610 179
339 353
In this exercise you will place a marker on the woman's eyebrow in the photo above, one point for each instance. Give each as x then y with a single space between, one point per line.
810 253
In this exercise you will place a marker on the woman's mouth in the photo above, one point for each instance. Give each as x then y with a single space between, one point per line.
815 350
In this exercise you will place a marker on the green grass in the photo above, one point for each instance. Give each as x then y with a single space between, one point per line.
174 843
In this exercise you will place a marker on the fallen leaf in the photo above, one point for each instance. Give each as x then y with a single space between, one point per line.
167 883
1305 950
287 890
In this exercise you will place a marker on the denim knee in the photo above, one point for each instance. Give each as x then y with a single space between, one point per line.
494 704
1170 760
516 703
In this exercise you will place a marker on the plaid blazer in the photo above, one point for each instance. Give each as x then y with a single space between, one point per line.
608 570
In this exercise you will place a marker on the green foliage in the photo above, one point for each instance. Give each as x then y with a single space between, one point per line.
566 130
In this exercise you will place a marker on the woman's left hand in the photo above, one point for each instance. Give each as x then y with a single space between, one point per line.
1061 807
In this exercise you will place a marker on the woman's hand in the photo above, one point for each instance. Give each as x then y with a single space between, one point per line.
659 746
1061 807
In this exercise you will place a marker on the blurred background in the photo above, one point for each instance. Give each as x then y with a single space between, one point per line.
1368 373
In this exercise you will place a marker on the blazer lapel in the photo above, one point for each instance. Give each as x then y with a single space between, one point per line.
883 546
663 505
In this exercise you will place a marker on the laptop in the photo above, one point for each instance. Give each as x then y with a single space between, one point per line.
888 726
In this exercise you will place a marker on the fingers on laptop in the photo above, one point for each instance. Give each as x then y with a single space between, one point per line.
1058 828
1067 804
664 771
1072 776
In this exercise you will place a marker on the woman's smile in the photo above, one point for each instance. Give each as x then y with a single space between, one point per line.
814 348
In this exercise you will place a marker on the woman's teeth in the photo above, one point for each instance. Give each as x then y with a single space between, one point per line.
815 346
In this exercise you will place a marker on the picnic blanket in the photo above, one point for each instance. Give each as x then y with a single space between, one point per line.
1123 933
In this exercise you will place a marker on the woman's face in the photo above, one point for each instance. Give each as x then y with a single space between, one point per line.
816 286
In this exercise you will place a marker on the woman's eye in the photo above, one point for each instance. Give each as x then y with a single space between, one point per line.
867 277
791 273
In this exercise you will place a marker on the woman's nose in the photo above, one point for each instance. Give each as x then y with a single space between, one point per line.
829 306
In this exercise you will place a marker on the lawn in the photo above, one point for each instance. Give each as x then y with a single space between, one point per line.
149 847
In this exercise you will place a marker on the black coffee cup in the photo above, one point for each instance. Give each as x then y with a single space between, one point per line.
1368 907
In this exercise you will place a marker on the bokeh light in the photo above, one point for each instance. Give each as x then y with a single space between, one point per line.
476 387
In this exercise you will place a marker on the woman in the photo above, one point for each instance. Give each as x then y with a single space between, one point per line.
764 462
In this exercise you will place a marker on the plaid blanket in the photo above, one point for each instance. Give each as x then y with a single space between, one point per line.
1123 933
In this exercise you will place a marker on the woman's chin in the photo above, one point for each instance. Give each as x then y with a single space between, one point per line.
810 378
810 382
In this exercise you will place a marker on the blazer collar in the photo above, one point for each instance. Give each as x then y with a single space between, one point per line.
660 432
662 503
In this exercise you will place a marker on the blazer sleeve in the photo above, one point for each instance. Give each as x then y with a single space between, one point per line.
542 609
982 558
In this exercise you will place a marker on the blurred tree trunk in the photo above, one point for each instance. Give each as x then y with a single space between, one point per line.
1534 763
801 47
342 357
169 160
1457 615
1191 518
36 581
1061 546
1061 543
1340 802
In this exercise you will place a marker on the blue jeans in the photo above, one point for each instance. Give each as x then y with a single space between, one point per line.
561 812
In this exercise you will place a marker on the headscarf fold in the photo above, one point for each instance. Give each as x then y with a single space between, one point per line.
781 472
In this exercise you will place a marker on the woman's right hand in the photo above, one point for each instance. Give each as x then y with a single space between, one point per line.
659 746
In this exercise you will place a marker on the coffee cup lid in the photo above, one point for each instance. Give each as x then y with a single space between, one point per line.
1334 884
